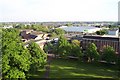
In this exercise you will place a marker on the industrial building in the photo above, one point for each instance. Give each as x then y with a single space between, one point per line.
81 29
101 42
113 32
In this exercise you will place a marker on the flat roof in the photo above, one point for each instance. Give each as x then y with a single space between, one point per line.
36 33
101 38
79 28
110 36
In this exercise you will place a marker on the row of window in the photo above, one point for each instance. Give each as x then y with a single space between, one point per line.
100 44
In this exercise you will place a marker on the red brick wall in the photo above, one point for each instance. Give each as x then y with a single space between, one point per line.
100 44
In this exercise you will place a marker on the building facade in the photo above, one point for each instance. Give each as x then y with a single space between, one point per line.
81 29
113 32
101 42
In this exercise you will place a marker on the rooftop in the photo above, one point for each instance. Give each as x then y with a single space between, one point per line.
114 30
26 30
79 29
36 33
101 37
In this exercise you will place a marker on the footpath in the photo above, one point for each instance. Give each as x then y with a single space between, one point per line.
47 67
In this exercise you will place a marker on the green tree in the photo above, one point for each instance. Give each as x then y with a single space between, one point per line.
76 42
15 73
109 54
101 32
63 47
92 53
38 57
98 33
0 52
59 31
76 50
15 58
118 64
49 47
68 24
37 27
53 34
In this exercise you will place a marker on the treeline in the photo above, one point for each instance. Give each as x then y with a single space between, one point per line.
64 49
57 32
18 61
102 32
37 27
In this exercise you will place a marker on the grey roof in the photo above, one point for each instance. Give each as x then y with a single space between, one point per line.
78 29
101 38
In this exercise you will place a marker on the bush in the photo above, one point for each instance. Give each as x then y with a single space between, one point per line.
109 54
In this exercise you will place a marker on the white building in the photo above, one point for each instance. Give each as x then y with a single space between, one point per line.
63 26
5 27
113 32
82 29
41 43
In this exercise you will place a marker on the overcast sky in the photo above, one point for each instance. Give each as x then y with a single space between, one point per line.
58 10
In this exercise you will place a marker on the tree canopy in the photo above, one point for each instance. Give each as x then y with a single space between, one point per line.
63 46
109 54
36 27
76 49
57 32
101 32
76 42
38 57
15 58
92 53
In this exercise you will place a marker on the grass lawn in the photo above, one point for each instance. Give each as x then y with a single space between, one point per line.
74 69
60 68
38 74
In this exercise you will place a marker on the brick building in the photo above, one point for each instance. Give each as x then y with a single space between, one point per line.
101 42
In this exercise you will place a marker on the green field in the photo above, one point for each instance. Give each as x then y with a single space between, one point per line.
60 68
73 69
39 74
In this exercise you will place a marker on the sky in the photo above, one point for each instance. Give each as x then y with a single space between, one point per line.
58 10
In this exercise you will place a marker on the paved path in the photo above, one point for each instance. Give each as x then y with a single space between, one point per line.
49 58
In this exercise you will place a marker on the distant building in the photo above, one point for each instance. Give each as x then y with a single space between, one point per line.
41 43
25 34
28 34
62 26
113 32
26 30
38 37
81 29
5 27
101 42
